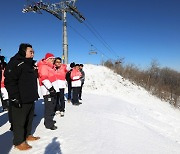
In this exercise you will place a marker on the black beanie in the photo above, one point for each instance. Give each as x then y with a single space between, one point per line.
22 49
72 64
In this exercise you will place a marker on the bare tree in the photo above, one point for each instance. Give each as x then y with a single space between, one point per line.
162 82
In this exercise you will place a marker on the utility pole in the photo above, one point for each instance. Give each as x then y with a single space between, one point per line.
59 10
65 41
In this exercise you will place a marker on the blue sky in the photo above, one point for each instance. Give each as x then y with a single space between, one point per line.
137 30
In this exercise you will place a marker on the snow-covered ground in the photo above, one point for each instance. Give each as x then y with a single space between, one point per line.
115 117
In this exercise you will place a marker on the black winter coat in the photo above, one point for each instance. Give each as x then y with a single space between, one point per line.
68 74
21 79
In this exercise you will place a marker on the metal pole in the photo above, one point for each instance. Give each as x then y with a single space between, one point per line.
65 41
102 60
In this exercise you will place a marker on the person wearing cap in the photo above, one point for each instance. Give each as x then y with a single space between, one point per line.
46 77
76 84
60 84
82 80
21 84
68 79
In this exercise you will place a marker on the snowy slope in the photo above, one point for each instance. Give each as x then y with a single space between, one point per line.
115 117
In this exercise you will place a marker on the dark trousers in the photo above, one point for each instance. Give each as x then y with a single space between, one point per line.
69 90
60 103
22 122
10 116
80 90
10 113
49 108
75 98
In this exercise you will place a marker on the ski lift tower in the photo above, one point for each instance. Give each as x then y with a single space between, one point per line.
59 10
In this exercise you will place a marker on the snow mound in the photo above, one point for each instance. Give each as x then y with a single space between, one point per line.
115 117
102 80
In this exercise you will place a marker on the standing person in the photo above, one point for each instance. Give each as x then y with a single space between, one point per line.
46 75
21 84
4 94
68 79
5 100
60 73
3 91
76 84
82 80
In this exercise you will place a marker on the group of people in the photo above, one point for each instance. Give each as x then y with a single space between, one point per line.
20 80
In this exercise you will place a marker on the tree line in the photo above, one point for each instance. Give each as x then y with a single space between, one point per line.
161 82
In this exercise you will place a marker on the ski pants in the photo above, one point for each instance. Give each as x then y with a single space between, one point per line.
60 103
69 90
49 110
22 122
75 95
80 90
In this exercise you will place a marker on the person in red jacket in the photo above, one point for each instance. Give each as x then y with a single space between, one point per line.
5 100
60 84
4 94
76 84
46 75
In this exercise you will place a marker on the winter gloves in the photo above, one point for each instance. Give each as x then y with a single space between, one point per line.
52 92
16 103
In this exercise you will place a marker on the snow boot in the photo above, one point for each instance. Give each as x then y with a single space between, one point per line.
23 146
32 138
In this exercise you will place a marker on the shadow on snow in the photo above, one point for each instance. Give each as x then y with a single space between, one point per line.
53 147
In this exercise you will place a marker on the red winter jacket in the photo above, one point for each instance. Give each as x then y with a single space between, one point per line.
60 75
2 80
75 77
46 76
4 92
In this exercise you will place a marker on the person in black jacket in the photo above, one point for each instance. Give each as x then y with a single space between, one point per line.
21 84
68 79
82 80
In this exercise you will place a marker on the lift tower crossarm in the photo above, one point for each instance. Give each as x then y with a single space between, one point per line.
56 9
50 8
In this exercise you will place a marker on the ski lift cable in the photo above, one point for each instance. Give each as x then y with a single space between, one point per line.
79 34
87 40
94 34
101 37
102 41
